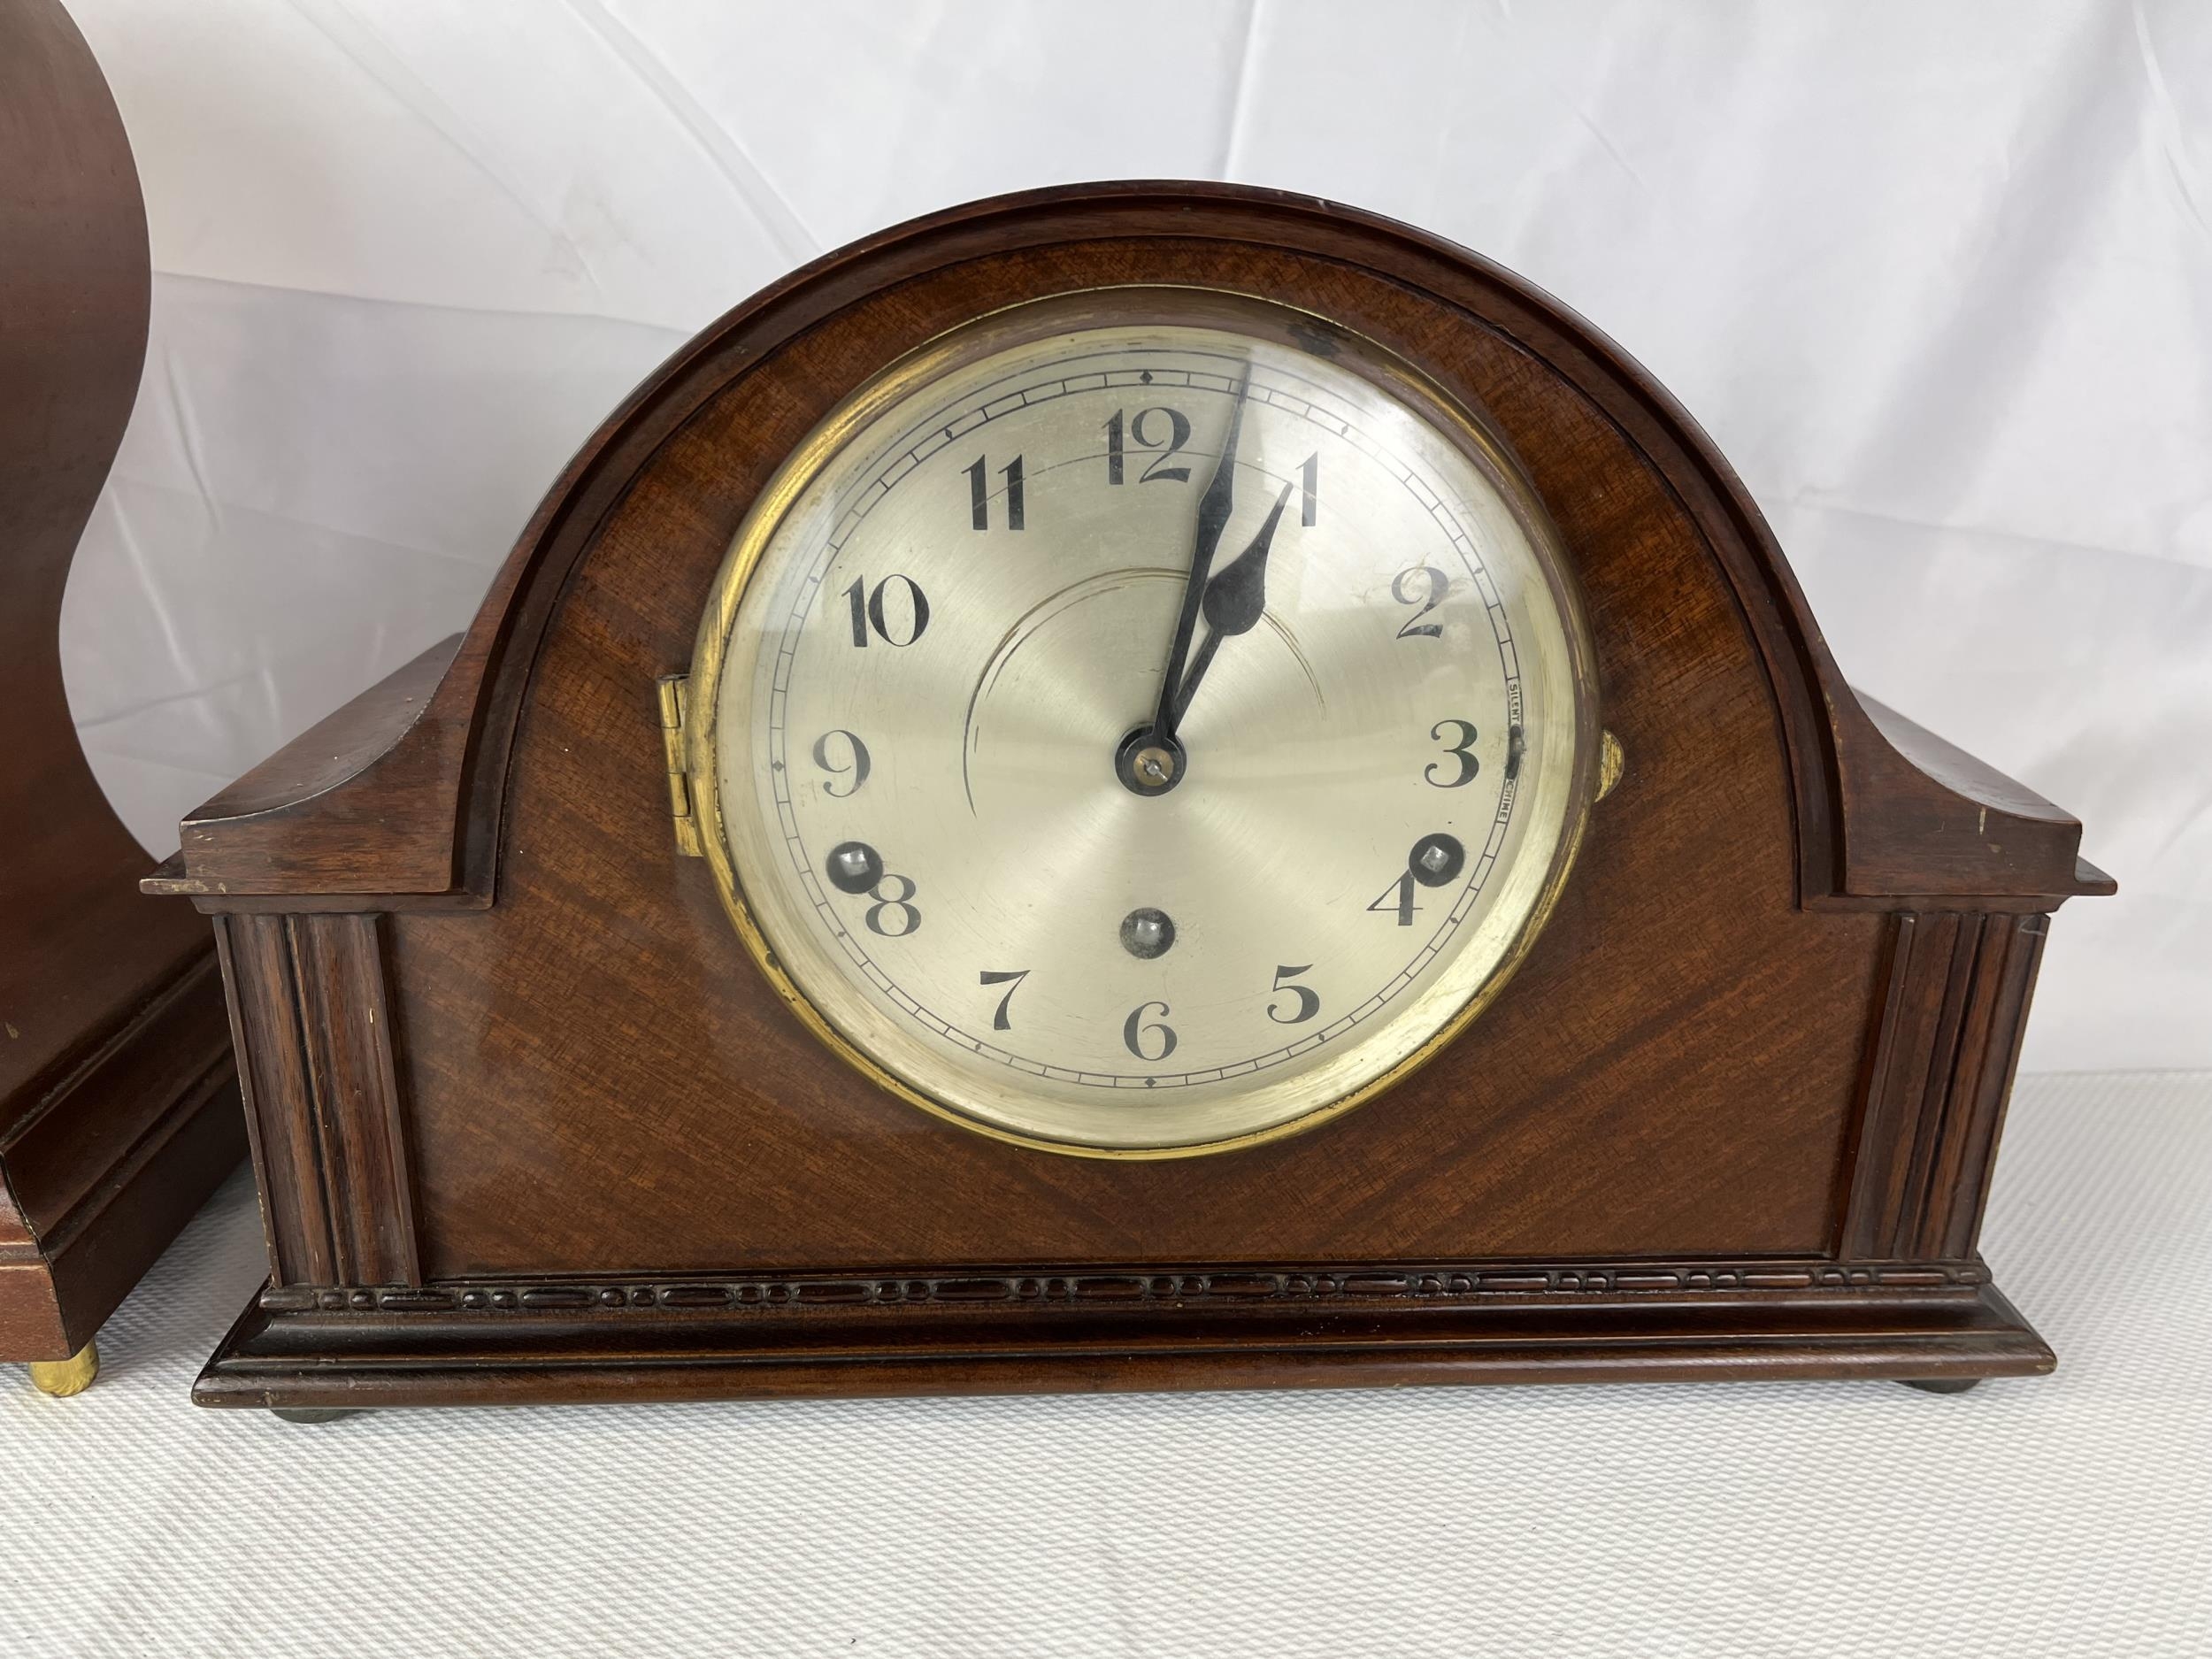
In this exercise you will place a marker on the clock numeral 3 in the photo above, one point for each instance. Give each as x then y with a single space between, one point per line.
1168 443
1135 1029
1468 764
1012 982
887 903
856 768
979 494
1308 1001
869 612
1425 586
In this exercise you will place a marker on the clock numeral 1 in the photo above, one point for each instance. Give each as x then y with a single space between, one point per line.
1135 1028
1310 502
979 494
1170 444
1012 982
868 612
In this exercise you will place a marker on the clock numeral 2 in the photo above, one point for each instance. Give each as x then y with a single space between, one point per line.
1135 1027
979 494
1170 444
1429 587
1012 982
868 612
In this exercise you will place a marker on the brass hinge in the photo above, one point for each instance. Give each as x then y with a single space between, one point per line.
675 704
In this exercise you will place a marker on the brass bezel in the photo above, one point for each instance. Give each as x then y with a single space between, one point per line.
1010 325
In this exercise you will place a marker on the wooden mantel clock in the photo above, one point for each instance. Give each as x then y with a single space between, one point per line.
1140 786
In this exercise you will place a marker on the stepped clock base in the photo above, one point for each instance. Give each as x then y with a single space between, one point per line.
587 1342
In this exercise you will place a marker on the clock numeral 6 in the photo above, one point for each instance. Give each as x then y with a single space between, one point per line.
1425 586
1135 1029
1308 1001
856 768
870 613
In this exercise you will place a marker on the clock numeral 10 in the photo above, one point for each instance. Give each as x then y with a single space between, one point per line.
869 614
979 493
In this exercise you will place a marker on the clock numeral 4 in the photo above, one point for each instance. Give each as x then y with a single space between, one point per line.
1136 1031
979 493
1145 433
888 623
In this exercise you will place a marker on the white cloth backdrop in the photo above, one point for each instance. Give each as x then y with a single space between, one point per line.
1938 279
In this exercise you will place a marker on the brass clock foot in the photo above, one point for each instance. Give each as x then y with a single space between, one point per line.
61 1378
313 1414
1940 1385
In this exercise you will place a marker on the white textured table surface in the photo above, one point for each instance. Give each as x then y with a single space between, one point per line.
2069 1515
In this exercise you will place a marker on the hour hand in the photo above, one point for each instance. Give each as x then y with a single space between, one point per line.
1236 600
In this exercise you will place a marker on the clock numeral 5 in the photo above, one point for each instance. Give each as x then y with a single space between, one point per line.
869 612
1308 1001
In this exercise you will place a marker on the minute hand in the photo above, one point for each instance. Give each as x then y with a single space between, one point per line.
1214 508
1235 601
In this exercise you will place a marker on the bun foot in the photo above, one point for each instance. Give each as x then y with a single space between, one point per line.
1940 1385
61 1378
313 1414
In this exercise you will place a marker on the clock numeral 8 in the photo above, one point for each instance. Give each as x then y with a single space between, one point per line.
910 916
1134 1029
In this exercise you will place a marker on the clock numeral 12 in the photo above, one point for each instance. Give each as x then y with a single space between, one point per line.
979 493
1156 470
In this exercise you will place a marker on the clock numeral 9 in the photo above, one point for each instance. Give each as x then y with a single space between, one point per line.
1170 444
1425 586
1135 1029
869 614
1468 764
979 493
1308 1001
857 768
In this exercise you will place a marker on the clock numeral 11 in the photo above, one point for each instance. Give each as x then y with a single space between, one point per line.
979 493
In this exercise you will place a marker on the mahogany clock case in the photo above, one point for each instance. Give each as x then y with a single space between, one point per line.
530 1125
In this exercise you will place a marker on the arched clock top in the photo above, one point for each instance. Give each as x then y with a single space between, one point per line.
400 800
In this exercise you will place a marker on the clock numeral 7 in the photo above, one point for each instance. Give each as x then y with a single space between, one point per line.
979 493
1012 982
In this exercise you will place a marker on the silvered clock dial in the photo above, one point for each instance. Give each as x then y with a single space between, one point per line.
1142 723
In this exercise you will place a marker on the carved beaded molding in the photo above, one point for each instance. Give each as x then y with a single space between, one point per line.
1093 1288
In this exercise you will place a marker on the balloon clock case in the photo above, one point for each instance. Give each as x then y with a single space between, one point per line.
1136 786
